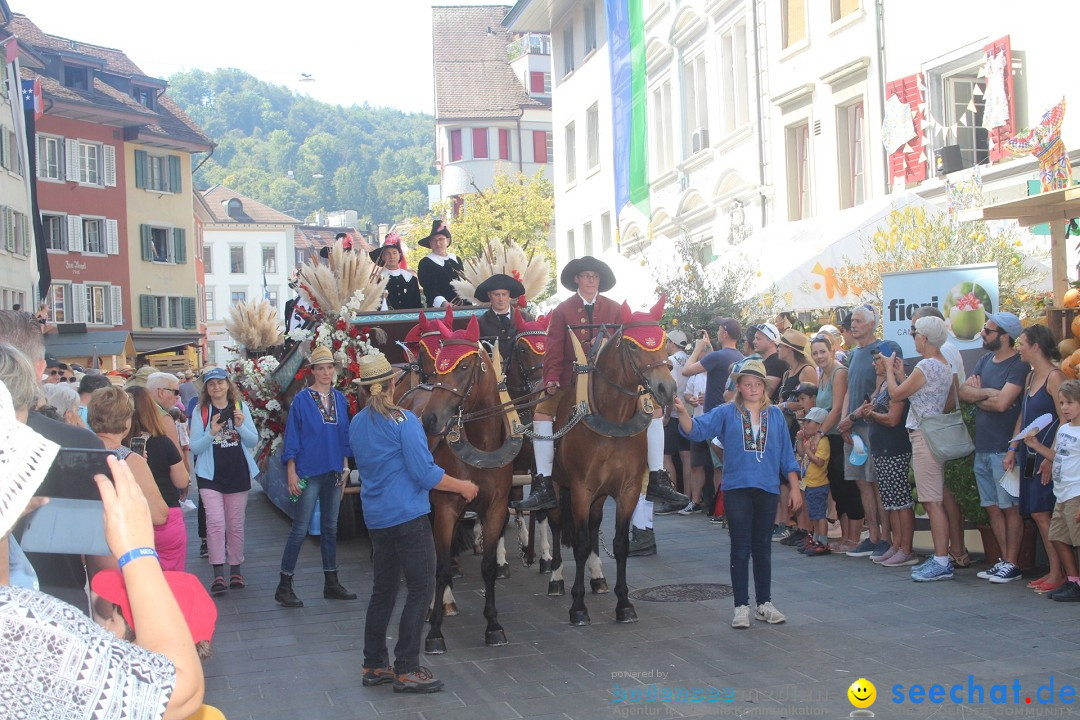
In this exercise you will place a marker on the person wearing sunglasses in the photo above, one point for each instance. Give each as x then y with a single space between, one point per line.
164 388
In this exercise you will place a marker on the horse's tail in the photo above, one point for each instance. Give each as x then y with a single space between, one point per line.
463 538
566 533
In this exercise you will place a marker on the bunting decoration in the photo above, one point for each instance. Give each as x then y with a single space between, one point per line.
898 127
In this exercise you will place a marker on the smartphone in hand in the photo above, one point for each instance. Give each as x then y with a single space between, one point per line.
84 461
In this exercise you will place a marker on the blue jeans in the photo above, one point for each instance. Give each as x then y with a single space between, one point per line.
325 490
750 514
407 547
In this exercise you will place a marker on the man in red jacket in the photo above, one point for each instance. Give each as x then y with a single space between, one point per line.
587 277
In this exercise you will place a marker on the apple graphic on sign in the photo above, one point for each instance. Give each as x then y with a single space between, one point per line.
966 308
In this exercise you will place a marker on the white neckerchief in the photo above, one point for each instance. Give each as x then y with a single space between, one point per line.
441 260
399 273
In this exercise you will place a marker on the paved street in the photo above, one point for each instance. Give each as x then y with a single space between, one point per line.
846 618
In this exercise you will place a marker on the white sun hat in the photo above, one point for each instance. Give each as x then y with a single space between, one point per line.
25 458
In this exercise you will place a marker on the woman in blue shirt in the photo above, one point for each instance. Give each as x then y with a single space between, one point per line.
397 472
751 482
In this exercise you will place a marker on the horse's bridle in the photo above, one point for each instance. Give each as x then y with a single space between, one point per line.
461 392
519 345
645 387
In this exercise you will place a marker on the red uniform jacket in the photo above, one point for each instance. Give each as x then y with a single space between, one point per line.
559 357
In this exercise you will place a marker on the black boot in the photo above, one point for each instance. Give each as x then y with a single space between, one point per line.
541 495
642 542
285 594
661 489
332 589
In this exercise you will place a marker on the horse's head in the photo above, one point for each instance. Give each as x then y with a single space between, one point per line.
429 338
461 375
526 362
641 345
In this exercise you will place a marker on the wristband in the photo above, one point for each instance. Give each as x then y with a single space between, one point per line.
135 554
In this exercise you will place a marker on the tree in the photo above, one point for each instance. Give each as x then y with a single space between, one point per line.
695 295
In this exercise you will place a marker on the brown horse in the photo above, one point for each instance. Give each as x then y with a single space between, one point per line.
604 455
420 346
476 443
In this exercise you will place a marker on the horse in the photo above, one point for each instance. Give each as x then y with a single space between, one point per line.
421 345
468 412
603 454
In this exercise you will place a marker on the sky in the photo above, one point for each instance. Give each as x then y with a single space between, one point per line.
357 51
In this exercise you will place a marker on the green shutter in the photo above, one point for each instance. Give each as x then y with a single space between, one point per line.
140 170
174 174
26 237
179 246
147 242
148 311
187 311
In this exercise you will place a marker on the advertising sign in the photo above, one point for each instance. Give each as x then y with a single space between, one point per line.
965 295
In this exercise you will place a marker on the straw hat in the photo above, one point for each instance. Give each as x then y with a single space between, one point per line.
374 369
319 356
795 340
25 458
750 368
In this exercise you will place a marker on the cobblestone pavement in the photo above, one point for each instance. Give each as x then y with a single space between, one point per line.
846 618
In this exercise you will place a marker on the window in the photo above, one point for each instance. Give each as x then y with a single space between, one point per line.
272 298
549 149
144 96
592 137
455 145
16 232
158 173
95 304
76 78
48 158
175 313
735 83
159 238
536 82
793 21
208 266
200 292
480 144
236 260
661 129
695 106
89 163
504 144
209 302
570 248
93 236
55 235
571 153
269 260
963 91
798 161
605 231
7 146
568 49
586 238
239 296
851 143
843 8
58 308
541 146
590 26
167 311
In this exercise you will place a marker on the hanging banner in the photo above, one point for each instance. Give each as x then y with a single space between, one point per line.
965 295
626 48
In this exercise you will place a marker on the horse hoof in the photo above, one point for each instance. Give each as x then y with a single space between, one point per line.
545 566
556 588
494 638
435 646
579 617
626 614
502 571
599 586
449 609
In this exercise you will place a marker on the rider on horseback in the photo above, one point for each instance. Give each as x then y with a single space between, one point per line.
585 309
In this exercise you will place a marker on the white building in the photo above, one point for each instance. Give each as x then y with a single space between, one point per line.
248 253
492 99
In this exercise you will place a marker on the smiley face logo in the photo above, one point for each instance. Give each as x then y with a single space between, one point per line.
862 693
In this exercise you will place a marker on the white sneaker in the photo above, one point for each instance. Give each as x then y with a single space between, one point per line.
742 617
769 614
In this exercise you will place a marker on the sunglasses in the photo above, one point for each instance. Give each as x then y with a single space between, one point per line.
172 390
987 331
71 379
53 373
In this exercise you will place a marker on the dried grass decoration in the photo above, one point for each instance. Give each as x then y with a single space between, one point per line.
509 259
333 285
256 325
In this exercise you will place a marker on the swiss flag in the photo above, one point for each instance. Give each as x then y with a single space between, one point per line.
31 93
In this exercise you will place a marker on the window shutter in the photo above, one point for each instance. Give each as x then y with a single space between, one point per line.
75 238
539 146
110 165
911 166
112 237
174 174
71 158
480 143
1001 133
504 144
187 312
146 242
78 302
179 246
140 168
455 145
147 311
116 307
8 231
536 82
26 235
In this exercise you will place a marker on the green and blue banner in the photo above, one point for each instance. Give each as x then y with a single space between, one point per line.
626 45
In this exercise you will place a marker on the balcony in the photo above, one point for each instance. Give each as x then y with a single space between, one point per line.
528 44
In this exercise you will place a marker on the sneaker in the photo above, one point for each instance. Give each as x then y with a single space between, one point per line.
816 549
1069 592
780 532
1006 574
690 509
880 559
883 547
863 549
985 574
203 552
842 546
794 538
742 617
767 613
419 680
902 559
933 571
378 676
668 508
718 520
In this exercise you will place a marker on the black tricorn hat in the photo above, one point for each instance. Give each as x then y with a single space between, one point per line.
585 264
499 281
391 240
438 227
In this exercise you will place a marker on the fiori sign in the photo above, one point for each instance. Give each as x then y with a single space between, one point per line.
965 295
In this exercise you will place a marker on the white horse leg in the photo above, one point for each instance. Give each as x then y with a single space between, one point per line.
596 574
478 536
449 604
500 552
543 539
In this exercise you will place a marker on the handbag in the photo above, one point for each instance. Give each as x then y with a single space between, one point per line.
947 434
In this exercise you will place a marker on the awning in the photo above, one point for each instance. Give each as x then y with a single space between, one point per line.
106 343
154 342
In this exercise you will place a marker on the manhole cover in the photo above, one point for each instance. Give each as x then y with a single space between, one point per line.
689 592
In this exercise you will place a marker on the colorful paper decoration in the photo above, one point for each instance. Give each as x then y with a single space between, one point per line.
898 127
1044 142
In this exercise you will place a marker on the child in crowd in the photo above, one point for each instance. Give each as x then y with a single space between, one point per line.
805 395
1065 522
815 460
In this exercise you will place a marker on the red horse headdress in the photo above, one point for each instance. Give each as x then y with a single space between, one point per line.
650 335
427 332
533 332
453 353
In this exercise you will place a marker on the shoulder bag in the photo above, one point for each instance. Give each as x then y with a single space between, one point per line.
946 435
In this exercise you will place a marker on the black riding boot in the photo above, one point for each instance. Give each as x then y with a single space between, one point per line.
285 594
661 489
333 590
541 495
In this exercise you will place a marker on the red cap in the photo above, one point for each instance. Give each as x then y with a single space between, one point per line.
195 602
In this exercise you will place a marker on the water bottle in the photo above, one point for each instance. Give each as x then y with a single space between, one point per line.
303 486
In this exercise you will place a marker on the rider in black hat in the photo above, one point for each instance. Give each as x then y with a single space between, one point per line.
438 268
498 320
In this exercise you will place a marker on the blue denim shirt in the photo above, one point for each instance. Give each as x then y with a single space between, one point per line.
745 467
